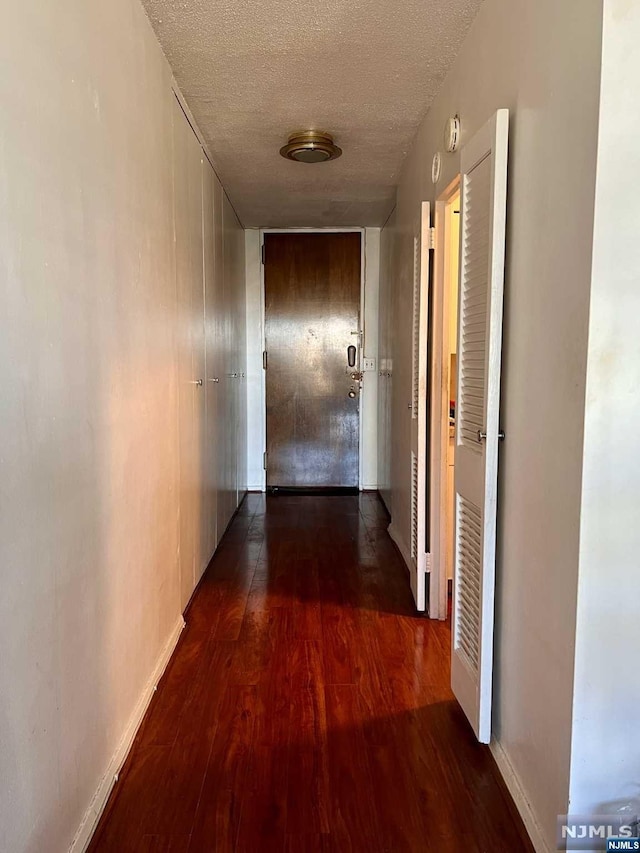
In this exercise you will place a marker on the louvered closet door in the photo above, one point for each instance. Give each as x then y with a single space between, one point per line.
418 406
483 212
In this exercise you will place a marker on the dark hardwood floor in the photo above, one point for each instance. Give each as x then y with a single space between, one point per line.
307 707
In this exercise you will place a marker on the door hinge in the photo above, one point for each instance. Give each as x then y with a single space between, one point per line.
262 253
264 460
264 360
432 238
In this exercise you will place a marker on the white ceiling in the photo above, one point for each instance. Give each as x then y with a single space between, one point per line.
252 71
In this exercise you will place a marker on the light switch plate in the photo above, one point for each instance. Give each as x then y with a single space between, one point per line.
369 364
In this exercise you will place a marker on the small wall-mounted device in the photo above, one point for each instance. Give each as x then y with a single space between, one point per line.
436 167
452 134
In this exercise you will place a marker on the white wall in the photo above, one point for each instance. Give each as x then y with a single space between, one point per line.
605 765
369 394
89 467
542 61
255 385
255 339
385 358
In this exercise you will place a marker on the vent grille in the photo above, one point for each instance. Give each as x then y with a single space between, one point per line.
474 304
468 578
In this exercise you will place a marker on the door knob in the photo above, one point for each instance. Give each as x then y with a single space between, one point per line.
196 381
482 436
216 380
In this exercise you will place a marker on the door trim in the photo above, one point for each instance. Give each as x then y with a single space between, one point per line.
324 230
438 583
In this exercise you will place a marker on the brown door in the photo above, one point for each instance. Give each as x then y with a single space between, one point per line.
312 317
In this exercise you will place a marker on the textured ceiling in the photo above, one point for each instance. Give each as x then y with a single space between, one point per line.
364 70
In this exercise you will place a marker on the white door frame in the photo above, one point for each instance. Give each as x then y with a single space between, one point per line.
440 378
323 230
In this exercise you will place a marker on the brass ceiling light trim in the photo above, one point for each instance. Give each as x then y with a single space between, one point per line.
310 146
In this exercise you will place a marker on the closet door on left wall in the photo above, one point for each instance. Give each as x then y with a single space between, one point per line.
187 202
212 236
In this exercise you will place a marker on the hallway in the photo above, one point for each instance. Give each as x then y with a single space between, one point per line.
306 707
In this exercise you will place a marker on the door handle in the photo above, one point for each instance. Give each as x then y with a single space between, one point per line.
482 436
216 380
195 381
351 355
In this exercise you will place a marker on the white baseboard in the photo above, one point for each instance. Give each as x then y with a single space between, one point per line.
99 801
387 507
519 798
397 538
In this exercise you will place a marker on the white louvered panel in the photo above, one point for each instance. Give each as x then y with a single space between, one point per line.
414 506
468 562
416 328
473 304
483 169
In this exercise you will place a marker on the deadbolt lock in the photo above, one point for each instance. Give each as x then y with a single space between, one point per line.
352 393
357 375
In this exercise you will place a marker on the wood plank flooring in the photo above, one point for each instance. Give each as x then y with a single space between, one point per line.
307 708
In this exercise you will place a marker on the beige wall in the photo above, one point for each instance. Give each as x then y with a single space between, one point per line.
542 61
89 458
605 762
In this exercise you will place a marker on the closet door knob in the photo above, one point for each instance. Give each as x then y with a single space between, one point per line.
482 436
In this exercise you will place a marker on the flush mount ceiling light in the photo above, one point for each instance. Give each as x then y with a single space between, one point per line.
311 146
